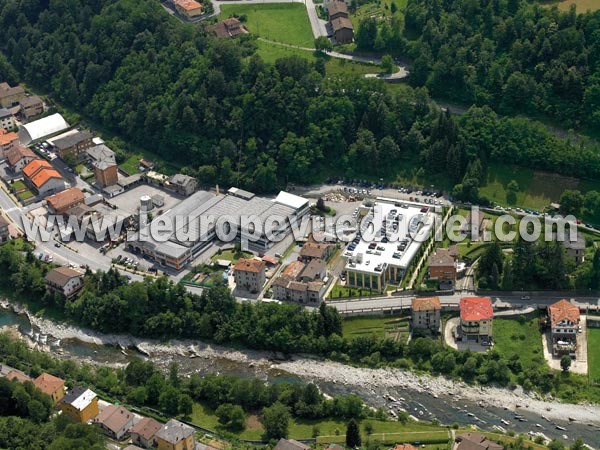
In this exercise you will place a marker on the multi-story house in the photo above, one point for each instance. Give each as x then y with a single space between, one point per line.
476 317
80 404
65 281
426 313
564 325
249 274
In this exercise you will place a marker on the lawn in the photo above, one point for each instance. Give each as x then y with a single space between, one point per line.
231 255
280 22
379 327
594 354
131 164
340 291
18 185
25 195
522 338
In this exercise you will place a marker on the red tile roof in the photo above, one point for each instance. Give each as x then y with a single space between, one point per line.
48 384
65 199
563 310
31 168
249 265
43 176
476 308
7 137
17 153
426 304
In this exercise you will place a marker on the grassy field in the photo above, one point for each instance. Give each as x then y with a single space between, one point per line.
511 337
270 53
380 327
594 353
536 189
582 5
330 430
281 22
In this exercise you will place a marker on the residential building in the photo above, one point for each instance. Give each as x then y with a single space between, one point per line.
64 280
73 144
8 141
426 313
61 202
476 317
17 375
18 157
337 9
4 229
474 224
564 325
51 385
228 28
175 435
343 30
403 447
10 96
42 128
301 283
475 441
42 177
183 184
115 421
31 106
143 432
249 274
316 250
188 8
575 249
104 165
315 270
7 120
80 404
290 444
5 370
442 267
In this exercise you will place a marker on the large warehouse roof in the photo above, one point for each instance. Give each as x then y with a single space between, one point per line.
41 128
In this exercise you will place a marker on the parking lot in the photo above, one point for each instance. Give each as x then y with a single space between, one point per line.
129 201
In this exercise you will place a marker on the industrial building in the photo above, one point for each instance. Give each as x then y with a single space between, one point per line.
194 223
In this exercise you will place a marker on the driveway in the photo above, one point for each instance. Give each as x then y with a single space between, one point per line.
579 365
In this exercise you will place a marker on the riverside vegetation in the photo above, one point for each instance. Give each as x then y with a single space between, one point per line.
162 309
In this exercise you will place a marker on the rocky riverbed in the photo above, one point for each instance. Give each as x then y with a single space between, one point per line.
194 356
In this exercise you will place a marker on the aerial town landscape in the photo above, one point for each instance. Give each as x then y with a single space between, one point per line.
274 224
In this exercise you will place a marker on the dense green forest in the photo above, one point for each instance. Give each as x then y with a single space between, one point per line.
514 55
215 107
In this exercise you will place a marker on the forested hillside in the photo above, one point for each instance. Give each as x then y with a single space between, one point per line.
218 109
514 55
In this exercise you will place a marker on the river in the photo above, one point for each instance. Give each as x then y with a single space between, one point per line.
444 405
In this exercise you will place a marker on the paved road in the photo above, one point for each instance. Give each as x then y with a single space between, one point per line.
404 301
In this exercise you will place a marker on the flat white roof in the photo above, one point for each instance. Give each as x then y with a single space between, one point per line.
41 128
413 225
291 200
81 402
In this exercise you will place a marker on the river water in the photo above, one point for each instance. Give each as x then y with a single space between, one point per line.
448 409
